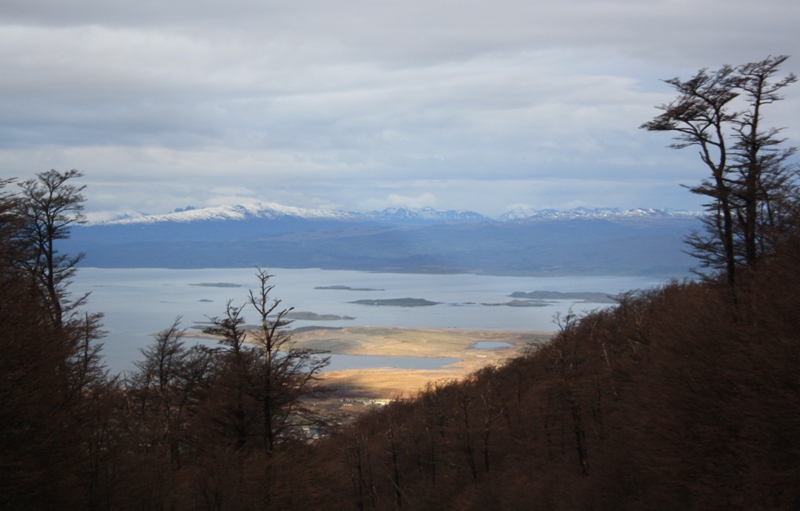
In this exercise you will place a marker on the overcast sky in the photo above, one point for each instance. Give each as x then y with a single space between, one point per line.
361 105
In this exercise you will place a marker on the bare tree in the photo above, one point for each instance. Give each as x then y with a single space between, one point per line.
268 379
764 182
166 388
699 117
750 179
49 206
54 384
234 414
288 374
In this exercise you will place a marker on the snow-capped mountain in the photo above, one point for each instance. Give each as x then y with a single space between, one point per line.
517 214
271 211
423 215
265 210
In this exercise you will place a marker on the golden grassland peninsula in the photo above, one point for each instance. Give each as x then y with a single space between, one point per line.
387 382
410 342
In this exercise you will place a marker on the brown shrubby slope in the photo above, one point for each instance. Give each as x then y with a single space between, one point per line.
682 397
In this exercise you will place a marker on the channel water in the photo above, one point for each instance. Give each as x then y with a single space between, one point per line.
140 302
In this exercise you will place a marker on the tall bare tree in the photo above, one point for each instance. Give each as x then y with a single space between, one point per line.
269 379
53 382
750 177
288 374
49 206
764 183
700 117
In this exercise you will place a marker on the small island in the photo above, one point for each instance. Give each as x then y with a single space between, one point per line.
348 288
216 284
585 297
398 302
520 303
313 316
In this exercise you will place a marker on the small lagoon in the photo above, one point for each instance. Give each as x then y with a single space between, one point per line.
490 345
342 362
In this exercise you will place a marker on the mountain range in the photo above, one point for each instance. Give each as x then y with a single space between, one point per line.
273 211
580 241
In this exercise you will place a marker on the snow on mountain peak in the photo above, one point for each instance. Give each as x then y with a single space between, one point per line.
271 210
520 214
267 210
423 215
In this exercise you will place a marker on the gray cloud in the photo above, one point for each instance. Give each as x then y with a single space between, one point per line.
361 104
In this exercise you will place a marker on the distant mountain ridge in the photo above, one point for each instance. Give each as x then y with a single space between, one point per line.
518 214
272 211
423 215
266 210
604 241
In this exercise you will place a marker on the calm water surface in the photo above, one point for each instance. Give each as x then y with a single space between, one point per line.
341 362
140 302
490 345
